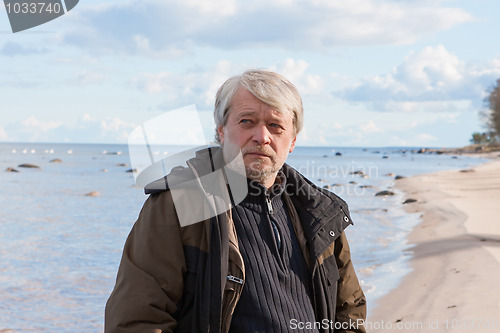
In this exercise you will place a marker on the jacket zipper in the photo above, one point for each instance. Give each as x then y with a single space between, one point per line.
235 279
269 205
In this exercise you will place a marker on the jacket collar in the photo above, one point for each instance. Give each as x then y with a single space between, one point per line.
322 214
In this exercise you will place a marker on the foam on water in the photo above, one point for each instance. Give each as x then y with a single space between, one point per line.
61 249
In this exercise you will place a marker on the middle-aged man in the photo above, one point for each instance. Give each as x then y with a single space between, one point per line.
278 261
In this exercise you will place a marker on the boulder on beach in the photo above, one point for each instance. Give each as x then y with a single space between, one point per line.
399 177
56 160
11 170
384 193
409 200
468 170
366 186
131 170
28 165
93 194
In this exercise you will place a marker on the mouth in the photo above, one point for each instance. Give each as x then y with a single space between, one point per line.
259 155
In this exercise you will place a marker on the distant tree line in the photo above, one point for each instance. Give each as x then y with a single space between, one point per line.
491 118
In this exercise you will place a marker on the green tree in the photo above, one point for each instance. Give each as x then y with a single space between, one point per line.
493 103
482 138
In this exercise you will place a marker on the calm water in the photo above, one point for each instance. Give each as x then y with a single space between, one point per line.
60 249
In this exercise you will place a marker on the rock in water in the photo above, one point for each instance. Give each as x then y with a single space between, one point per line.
28 165
399 177
56 160
384 193
93 194
410 200
11 170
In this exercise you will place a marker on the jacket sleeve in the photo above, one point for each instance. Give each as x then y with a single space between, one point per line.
149 283
351 301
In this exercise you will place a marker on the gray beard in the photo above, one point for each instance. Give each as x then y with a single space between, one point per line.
259 175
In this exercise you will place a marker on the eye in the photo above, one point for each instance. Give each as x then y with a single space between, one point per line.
245 121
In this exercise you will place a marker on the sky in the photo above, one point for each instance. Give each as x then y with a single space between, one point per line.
372 73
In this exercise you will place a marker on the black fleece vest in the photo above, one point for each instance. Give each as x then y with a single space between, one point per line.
277 290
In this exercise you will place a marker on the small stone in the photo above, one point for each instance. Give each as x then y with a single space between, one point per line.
399 177
11 170
410 200
93 194
468 170
56 160
122 164
131 170
28 165
384 193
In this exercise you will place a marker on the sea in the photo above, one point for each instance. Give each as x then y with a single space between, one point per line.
63 225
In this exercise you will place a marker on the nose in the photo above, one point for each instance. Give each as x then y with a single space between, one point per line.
261 135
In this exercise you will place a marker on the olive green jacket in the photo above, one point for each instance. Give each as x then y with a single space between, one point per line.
189 279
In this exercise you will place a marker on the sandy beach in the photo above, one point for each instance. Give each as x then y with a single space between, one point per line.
454 283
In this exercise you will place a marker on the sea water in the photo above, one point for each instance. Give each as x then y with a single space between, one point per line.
60 249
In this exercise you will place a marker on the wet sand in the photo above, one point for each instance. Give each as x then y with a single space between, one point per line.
455 282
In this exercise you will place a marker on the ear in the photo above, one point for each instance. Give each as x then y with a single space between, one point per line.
292 145
220 131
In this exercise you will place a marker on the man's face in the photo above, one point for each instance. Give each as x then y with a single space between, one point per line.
264 136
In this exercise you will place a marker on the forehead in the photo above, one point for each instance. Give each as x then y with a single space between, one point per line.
245 103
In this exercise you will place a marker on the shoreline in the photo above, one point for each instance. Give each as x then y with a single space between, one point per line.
455 258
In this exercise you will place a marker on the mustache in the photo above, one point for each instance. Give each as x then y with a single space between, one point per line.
258 150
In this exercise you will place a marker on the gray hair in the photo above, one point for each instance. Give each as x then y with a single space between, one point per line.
270 87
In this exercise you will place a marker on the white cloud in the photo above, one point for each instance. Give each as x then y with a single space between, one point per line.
32 123
3 134
425 138
86 78
13 49
370 127
88 129
195 87
169 28
200 85
115 128
295 71
433 76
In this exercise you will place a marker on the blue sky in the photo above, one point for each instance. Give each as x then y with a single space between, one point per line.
371 72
